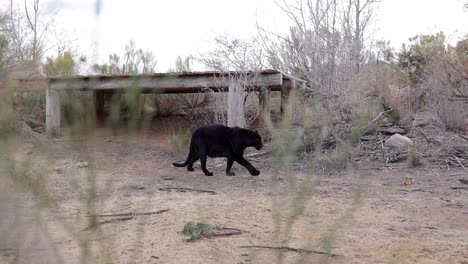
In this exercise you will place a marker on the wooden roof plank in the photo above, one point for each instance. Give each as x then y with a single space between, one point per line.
162 82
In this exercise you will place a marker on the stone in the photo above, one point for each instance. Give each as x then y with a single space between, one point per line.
398 141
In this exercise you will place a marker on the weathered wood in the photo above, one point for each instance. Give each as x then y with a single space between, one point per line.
286 104
289 81
264 99
162 83
235 113
99 99
52 112
169 83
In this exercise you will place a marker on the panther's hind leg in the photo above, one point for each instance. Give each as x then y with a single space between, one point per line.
192 160
202 153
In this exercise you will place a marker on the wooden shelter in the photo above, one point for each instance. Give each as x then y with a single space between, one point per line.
263 82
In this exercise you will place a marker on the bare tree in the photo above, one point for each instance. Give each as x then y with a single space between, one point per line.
356 18
325 42
27 29
234 54
245 57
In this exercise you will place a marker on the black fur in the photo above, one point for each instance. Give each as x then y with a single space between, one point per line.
222 141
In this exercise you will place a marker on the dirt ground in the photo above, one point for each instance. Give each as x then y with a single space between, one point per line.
364 216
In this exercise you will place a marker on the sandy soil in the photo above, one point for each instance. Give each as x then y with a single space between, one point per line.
364 216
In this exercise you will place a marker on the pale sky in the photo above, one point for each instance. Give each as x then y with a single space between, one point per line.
172 28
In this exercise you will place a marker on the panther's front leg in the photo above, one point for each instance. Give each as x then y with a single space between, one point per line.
230 161
253 171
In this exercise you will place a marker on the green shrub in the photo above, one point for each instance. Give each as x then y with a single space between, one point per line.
196 230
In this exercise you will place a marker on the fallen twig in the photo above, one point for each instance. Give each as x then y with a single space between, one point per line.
298 250
181 189
229 232
459 188
459 162
128 214
416 190
62 242
120 219
370 125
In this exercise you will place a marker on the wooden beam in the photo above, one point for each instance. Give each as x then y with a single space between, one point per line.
99 100
264 99
164 83
286 104
236 105
296 84
52 112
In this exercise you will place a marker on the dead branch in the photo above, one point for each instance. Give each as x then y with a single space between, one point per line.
298 250
62 242
370 125
228 232
120 219
129 214
459 162
181 189
459 188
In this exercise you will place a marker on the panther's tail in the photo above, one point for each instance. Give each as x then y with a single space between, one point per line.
191 153
180 164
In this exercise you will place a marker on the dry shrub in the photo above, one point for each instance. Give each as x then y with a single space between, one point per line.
447 81
415 157
163 105
180 141
31 105
391 87
451 113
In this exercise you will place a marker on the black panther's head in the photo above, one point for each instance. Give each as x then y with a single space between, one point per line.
256 140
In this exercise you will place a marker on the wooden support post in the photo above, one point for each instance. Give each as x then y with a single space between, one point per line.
99 98
286 104
236 104
264 99
52 112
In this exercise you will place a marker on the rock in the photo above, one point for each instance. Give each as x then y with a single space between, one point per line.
398 141
82 165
